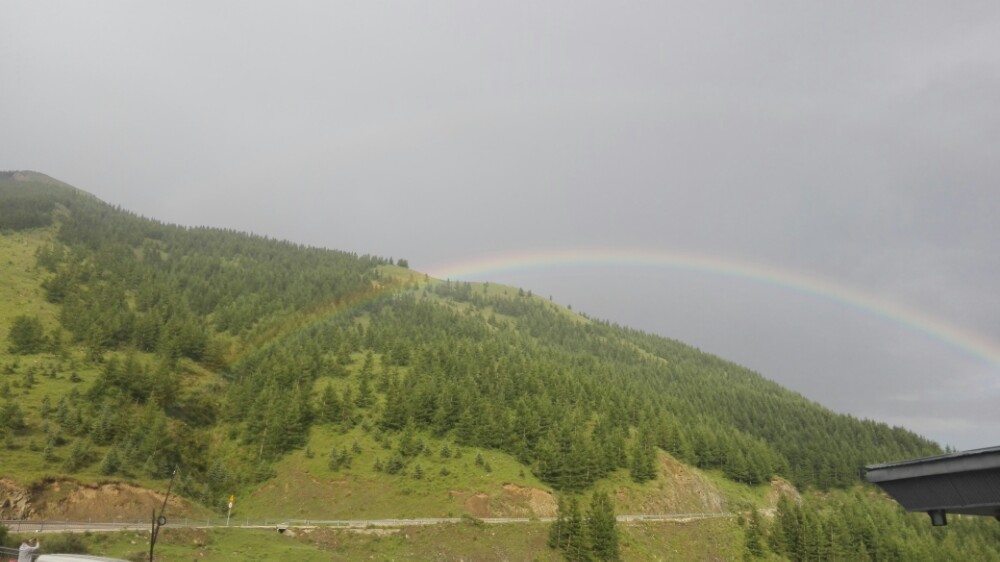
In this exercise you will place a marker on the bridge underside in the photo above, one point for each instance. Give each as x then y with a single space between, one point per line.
967 482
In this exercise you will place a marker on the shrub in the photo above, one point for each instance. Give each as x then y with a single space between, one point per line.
68 543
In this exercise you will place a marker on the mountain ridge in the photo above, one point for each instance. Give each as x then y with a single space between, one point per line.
304 377
376 279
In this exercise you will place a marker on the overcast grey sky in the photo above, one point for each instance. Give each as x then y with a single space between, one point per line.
852 142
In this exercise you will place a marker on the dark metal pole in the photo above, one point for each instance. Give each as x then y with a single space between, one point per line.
161 520
152 536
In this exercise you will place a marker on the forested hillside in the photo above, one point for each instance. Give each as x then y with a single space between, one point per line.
130 347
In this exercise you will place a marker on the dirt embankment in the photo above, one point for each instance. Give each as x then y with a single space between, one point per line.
677 489
75 501
779 487
512 501
519 501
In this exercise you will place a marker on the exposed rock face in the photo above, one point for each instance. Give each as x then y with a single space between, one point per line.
75 501
15 501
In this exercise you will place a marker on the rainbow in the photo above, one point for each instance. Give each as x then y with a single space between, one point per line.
918 321
304 319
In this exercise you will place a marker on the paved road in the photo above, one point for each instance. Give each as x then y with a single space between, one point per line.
122 525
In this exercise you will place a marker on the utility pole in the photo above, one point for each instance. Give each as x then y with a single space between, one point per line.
161 520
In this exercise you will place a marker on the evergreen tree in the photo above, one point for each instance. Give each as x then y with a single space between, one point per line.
557 532
785 536
643 465
365 397
330 408
11 416
753 535
601 528
112 462
49 453
576 548
395 464
568 532
408 443
26 335
339 459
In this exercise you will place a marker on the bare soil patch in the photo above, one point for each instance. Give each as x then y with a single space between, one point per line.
523 501
478 505
107 501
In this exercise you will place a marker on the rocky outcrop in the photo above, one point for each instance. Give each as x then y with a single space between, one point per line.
15 501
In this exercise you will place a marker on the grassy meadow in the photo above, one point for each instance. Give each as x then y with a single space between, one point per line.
710 539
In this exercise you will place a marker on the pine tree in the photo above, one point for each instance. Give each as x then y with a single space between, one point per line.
575 545
557 531
601 528
785 529
753 536
11 416
366 396
568 532
79 455
111 462
408 442
347 408
811 545
104 427
49 453
395 464
26 336
643 465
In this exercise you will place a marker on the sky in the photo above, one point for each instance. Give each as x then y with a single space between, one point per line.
810 189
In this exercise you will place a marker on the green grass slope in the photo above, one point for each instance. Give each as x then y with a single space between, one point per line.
693 540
